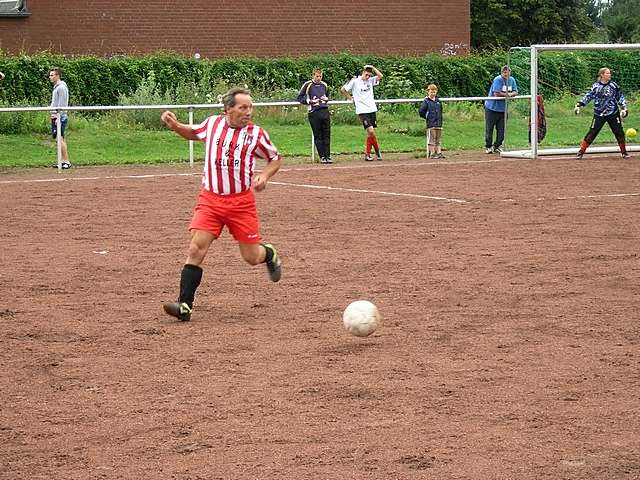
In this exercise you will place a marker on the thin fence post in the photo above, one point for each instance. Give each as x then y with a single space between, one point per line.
533 128
313 151
59 139
191 141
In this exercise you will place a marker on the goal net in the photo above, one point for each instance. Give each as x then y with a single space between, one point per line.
559 76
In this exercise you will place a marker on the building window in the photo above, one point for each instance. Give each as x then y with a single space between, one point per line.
13 8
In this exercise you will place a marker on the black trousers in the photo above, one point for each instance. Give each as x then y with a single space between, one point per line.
615 123
493 119
320 121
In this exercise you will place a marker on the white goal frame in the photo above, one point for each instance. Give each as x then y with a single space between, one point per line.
534 151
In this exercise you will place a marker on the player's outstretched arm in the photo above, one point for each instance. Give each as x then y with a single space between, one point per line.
182 129
586 99
623 104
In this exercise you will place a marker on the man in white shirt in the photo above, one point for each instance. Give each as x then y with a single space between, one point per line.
360 91
59 100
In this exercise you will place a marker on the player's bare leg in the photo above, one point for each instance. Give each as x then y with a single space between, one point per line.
256 253
64 151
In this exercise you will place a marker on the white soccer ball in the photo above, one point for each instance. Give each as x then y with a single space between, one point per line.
196 56
361 318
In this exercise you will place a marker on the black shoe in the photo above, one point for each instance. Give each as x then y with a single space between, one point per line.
181 311
626 155
64 165
274 266
579 154
497 150
323 160
328 160
368 158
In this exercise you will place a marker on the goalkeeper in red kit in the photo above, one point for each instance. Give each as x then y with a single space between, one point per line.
607 99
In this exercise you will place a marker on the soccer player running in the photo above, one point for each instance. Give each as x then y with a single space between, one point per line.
232 143
360 91
606 96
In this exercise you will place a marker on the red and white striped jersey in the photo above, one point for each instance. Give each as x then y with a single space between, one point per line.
229 155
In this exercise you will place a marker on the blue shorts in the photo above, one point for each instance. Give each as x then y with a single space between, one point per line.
54 127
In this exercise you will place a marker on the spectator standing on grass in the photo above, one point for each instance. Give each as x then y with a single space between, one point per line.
431 111
606 96
232 143
59 100
315 94
360 91
504 85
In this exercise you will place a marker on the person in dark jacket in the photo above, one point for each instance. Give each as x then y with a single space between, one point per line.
315 94
431 111
606 96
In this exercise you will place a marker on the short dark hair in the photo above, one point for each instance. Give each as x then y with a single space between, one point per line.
229 98
506 68
368 69
57 70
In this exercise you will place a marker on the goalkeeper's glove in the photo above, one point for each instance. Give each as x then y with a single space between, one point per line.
576 109
624 112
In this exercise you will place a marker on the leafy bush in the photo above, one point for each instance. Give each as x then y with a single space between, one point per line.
147 93
24 122
173 79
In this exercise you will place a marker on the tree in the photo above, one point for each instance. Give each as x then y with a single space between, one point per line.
506 23
621 19
594 12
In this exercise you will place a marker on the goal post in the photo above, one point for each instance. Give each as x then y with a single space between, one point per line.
579 63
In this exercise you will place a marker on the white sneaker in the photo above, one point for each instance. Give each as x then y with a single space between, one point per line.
489 150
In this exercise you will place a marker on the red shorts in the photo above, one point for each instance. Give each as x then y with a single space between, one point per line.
237 211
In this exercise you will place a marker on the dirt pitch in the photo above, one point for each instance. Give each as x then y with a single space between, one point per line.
510 292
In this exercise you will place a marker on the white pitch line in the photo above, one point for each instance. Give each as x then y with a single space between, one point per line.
377 192
603 195
284 169
390 165
106 177
333 167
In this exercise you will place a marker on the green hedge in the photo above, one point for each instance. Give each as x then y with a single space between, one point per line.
101 81
104 81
